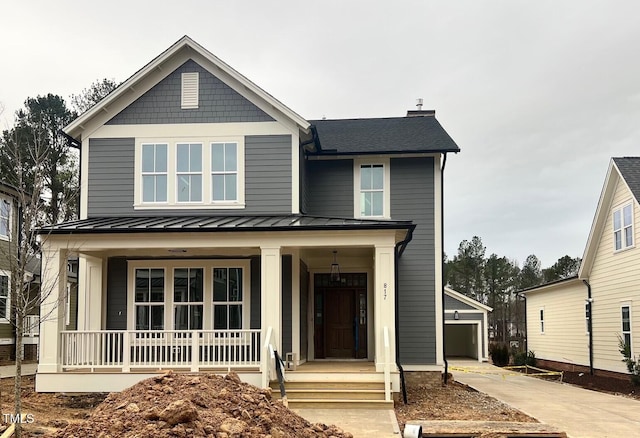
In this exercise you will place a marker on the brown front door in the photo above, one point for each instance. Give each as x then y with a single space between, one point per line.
340 311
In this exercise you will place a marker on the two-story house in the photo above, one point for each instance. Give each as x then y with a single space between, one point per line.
217 224
576 323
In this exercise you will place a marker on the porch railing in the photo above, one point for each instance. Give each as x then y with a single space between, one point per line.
189 349
31 326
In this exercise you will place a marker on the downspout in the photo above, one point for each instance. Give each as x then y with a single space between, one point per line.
590 325
400 246
444 348
75 144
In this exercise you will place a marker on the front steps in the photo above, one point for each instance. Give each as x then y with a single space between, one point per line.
334 391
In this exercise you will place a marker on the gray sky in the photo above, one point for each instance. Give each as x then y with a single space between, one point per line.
537 94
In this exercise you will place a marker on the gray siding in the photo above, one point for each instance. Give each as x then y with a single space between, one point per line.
465 317
116 293
412 198
256 301
286 305
303 182
451 303
330 187
267 178
218 103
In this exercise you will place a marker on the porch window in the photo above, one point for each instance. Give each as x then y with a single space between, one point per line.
149 299
4 296
154 173
189 172
5 219
188 298
623 227
224 172
227 298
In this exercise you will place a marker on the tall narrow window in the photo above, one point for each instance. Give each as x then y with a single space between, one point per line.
149 299
154 173
5 218
623 227
371 190
224 172
189 172
541 320
4 296
626 329
188 298
227 298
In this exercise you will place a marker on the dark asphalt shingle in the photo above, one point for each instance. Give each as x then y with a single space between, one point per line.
630 169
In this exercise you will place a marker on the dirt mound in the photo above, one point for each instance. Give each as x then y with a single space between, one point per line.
180 405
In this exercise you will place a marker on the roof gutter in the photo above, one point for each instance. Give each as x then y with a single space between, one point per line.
589 311
399 249
444 348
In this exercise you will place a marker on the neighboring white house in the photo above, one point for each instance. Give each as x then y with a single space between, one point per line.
466 331
606 289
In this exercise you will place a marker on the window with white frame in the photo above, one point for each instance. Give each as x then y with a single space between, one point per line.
189 172
224 172
4 296
227 298
154 173
188 298
623 227
149 299
371 188
5 219
541 320
625 316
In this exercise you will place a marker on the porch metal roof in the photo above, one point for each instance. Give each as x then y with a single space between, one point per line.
151 224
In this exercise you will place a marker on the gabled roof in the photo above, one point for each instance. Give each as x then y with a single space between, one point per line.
625 170
420 134
185 48
551 285
467 300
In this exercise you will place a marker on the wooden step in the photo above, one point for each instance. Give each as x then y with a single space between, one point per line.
337 385
339 404
315 394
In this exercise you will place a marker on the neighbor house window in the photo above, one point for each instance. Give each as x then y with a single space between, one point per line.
149 299
541 320
224 172
227 298
188 298
5 219
154 173
623 227
626 328
189 172
4 296
371 184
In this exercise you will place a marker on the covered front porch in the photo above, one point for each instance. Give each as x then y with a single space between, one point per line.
197 298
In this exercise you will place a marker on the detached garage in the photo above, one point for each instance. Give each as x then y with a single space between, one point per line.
466 332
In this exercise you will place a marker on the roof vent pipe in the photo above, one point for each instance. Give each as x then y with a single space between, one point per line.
419 103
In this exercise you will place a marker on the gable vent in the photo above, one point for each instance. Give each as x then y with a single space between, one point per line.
190 82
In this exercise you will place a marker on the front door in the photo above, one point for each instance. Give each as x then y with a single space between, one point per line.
340 310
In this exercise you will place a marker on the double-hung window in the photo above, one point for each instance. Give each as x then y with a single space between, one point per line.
227 298
4 296
189 172
371 188
149 299
623 227
188 298
224 172
625 314
5 219
154 173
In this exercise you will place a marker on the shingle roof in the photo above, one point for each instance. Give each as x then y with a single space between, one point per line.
383 135
630 170
218 224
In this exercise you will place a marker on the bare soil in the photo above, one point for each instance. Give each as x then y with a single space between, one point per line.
611 385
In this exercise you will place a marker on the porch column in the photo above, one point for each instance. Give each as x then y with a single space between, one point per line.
52 289
271 293
89 293
295 305
384 303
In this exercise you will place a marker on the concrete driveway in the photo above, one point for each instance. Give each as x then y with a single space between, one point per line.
580 413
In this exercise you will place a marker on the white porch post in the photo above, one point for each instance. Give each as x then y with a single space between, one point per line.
295 305
53 289
271 293
384 302
89 293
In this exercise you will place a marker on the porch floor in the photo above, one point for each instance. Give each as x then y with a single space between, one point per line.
336 366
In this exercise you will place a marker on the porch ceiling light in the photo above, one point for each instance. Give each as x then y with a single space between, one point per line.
335 268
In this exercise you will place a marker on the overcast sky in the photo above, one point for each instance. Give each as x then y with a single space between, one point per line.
538 94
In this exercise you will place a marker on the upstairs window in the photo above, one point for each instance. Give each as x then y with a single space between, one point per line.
371 184
4 296
224 172
5 219
154 173
189 172
623 227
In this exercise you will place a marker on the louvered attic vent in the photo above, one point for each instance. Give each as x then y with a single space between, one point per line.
190 83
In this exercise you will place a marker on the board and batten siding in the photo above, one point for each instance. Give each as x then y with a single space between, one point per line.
615 279
565 338
412 198
268 180
330 187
